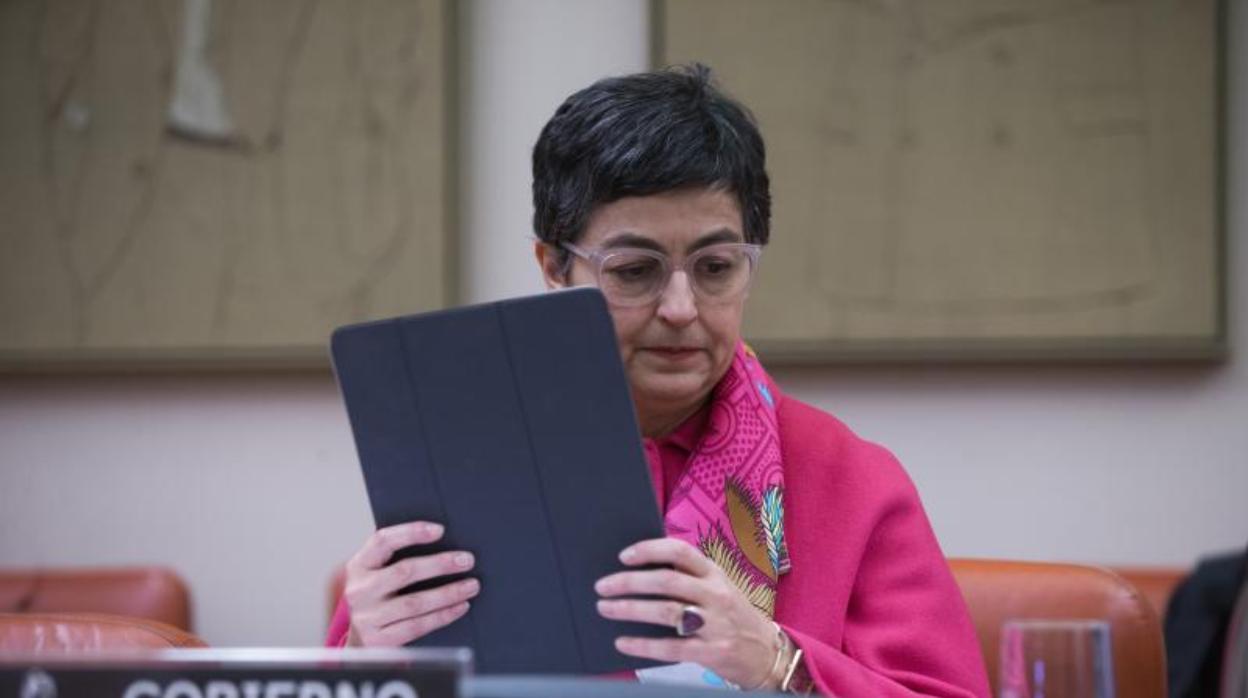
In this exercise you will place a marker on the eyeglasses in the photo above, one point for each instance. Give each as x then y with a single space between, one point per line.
633 277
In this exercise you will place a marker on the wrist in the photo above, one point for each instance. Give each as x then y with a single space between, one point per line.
788 670
780 658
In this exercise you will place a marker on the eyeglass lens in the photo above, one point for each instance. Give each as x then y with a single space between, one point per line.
634 276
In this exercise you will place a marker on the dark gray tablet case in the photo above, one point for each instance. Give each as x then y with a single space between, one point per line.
510 423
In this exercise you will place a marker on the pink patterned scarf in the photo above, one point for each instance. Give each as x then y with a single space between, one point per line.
729 502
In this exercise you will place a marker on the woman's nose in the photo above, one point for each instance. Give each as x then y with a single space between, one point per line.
677 306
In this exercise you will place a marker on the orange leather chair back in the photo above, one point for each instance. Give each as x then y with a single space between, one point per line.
1157 584
73 633
153 593
996 591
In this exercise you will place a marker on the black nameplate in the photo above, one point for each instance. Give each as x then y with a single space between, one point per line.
69 682
63 677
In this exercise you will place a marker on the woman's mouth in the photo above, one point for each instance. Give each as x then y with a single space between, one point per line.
675 353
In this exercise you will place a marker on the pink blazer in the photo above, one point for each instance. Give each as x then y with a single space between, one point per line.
870 598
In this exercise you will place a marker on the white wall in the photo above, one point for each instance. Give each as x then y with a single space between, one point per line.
520 61
248 483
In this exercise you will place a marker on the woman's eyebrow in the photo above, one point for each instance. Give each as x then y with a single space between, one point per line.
631 240
627 239
714 238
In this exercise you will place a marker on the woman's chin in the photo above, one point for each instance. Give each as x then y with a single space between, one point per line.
670 390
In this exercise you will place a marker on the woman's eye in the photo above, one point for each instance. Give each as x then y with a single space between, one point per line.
634 271
714 266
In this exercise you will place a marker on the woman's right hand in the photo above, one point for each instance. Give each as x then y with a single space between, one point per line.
380 617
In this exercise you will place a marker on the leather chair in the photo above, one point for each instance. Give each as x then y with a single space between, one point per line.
1157 584
77 633
996 591
154 593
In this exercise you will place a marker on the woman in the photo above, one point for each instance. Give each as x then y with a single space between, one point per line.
799 557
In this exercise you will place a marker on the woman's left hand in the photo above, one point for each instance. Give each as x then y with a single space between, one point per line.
736 641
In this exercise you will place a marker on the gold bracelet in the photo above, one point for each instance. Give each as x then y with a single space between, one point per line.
778 663
794 678
786 684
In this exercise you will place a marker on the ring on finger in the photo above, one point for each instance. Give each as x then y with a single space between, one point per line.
690 621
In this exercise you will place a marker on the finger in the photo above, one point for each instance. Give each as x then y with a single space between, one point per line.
405 631
385 542
664 650
668 551
666 613
667 583
421 603
423 568
373 585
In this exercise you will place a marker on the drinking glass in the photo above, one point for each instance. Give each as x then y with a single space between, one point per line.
1056 659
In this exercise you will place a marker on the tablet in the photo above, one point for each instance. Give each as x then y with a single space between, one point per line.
511 424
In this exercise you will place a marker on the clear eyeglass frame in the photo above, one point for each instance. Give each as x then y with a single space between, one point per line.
601 258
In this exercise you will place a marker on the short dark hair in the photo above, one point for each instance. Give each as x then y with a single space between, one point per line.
645 134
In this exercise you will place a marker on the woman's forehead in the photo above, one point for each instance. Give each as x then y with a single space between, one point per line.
668 221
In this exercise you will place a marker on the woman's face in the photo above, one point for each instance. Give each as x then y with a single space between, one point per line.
677 348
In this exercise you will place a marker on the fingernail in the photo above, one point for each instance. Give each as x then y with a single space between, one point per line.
627 554
602 586
433 529
603 607
463 560
472 586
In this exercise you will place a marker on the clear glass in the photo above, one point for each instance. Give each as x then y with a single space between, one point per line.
1056 659
633 276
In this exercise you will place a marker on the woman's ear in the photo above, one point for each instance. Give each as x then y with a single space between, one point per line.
551 265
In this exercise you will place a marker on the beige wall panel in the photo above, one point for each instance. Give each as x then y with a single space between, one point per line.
319 200
988 178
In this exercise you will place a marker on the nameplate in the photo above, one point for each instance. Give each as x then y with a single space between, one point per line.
235 677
